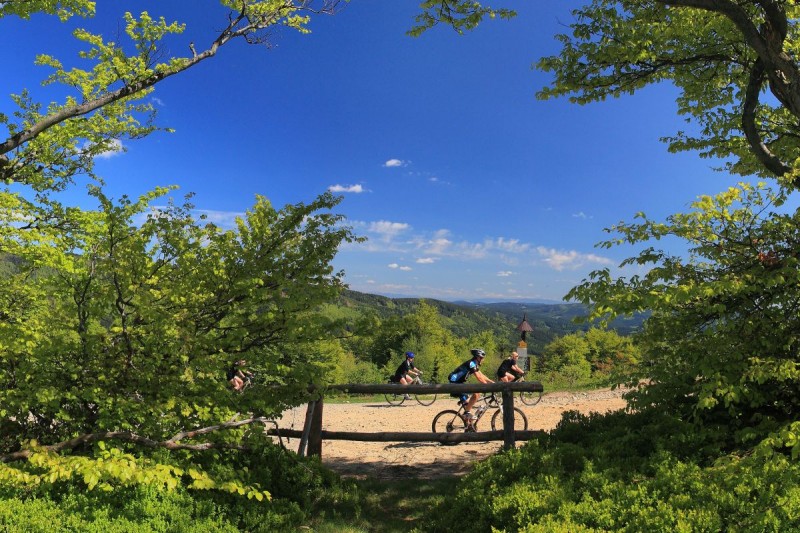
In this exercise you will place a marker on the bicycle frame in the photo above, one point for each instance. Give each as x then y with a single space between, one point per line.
450 420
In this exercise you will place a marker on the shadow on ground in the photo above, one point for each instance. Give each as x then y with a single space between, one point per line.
450 467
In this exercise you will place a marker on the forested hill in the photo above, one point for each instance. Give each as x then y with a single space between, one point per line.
466 318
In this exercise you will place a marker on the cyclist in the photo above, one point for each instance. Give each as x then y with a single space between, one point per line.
236 374
405 371
508 369
466 369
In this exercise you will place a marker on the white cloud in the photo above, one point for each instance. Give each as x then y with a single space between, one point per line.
504 273
387 230
346 188
396 266
394 163
393 265
426 260
440 244
115 149
510 245
223 219
158 101
406 268
569 259
581 214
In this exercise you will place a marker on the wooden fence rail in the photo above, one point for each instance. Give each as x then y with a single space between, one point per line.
312 435
408 436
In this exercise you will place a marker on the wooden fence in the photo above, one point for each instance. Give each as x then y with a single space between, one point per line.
312 435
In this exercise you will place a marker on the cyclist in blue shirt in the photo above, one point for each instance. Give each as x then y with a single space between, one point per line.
460 375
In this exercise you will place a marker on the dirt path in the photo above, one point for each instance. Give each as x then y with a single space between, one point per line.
395 460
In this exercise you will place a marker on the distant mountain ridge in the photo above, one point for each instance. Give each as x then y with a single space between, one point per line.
463 318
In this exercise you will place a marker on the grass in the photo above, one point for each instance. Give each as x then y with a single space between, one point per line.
388 506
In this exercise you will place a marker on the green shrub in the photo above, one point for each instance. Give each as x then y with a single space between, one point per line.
300 489
618 472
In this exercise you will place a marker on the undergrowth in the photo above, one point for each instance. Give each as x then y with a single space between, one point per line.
626 472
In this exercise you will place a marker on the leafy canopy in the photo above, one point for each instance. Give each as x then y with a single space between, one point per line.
119 322
45 146
734 64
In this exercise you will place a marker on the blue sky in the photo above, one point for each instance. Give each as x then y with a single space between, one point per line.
466 186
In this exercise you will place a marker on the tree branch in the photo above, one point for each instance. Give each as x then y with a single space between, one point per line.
238 26
761 151
733 12
127 436
773 64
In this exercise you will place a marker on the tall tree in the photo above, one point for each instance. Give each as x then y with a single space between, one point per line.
123 331
723 56
611 352
427 336
568 357
721 344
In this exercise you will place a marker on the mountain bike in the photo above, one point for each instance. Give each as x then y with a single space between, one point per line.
452 421
528 397
397 398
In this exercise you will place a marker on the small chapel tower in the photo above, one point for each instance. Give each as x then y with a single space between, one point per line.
522 347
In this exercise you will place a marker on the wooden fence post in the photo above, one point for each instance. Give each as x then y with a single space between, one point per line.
301 449
509 442
315 436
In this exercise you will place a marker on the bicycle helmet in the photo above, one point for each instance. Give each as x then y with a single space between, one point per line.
410 355
477 352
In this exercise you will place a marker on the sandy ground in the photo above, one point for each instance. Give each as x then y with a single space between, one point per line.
393 460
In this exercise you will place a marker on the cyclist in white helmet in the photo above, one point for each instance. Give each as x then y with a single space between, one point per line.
460 375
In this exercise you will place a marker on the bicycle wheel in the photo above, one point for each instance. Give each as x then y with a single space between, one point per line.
425 399
530 397
520 420
448 421
395 399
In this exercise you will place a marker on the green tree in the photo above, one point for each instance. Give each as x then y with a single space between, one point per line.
381 340
47 146
567 356
430 340
487 341
459 14
722 55
123 331
610 352
721 344
720 341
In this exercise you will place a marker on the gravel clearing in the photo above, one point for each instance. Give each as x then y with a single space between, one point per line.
398 460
